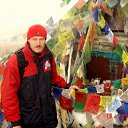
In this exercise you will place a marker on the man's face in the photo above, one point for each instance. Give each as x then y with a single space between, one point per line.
37 43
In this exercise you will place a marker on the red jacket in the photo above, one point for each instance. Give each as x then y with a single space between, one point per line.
11 83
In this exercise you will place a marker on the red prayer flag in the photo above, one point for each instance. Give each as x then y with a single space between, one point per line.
81 43
115 41
92 104
79 96
79 82
92 33
103 7
104 117
66 103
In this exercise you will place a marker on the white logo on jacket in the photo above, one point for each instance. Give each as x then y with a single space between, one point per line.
47 66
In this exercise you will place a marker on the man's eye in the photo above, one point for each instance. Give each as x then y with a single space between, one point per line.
42 39
34 39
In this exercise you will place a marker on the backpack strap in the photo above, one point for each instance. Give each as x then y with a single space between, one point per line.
22 63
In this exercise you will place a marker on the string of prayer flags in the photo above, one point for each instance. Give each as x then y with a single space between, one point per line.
114 105
124 96
92 106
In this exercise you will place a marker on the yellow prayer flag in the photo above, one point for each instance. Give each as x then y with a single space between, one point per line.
69 35
105 101
66 16
70 13
124 81
62 37
66 36
101 22
76 18
124 58
59 47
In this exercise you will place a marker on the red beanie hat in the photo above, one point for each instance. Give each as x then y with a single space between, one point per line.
36 30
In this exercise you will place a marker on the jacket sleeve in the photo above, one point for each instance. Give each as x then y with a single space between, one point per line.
10 87
57 79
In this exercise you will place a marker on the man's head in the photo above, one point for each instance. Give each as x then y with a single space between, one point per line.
36 37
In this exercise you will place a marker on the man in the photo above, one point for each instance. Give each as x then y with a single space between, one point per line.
27 102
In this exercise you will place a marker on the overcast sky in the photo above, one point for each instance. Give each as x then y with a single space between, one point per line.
17 15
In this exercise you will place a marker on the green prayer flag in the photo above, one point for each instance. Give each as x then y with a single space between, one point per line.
116 84
67 1
119 50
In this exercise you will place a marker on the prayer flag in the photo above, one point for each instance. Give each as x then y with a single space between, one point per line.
92 106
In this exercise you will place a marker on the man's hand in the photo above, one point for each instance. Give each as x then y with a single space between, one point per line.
73 87
120 91
17 127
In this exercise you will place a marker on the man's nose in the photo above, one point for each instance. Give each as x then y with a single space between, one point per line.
38 42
